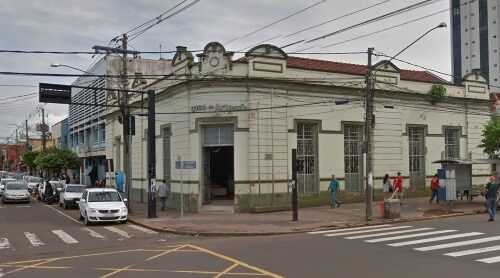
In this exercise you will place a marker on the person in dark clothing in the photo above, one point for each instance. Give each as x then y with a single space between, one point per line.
491 197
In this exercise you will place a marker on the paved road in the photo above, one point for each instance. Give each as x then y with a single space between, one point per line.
41 241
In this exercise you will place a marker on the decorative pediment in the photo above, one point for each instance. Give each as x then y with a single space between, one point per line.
214 59
267 51
386 65
181 55
475 76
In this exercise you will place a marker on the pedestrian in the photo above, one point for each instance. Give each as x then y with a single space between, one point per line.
163 192
491 197
334 188
434 188
398 186
67 179
387 187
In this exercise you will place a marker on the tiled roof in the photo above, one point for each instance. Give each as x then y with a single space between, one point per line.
330 66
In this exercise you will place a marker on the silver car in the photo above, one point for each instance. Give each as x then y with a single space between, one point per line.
70 195
3 182
15 192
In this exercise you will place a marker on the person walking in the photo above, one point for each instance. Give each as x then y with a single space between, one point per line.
387 187
492 188
434 188
398 186
163 192
334 188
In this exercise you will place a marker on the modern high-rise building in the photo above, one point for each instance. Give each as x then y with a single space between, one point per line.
475 39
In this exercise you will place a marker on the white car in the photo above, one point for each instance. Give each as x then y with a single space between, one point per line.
33 182
3 182
15 191
70 195
102 205
57 186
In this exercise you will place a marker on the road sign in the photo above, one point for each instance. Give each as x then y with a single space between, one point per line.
54 93
188 164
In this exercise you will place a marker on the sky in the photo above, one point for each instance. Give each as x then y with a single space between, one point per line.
77 25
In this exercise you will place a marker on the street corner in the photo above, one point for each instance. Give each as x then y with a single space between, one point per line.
186 260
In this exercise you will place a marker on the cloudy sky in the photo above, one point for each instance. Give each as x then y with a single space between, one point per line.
77 25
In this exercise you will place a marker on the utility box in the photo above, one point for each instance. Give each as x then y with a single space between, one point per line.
392 208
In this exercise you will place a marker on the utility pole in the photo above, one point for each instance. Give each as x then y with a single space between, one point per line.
27 138
151 155
126 124
295 213
44 139
125 114
369 123
17 151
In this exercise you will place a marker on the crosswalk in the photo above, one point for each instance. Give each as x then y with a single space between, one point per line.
419 238
31 239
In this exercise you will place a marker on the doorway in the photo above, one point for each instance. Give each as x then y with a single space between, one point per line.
218 165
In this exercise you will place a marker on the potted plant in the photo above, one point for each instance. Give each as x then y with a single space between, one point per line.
438 93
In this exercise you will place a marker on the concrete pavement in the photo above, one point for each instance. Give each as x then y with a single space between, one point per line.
219 223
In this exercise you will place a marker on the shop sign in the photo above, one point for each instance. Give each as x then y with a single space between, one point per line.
218 108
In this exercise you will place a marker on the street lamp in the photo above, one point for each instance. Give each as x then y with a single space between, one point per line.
370 116
56 65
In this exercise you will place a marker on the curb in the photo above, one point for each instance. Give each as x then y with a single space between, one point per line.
163 229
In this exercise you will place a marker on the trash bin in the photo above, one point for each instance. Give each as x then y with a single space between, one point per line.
392 208
442 193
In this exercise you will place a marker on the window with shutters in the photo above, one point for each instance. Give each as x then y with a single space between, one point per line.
167 175
452 142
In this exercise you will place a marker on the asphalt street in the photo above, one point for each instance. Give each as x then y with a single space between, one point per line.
37 240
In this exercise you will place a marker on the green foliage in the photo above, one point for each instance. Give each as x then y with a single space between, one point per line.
55 160
29 158
491 138
438 92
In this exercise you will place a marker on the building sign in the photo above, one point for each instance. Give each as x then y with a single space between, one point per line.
187 164
54 93
218 108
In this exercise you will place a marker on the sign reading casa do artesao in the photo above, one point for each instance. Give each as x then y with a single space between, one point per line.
218 107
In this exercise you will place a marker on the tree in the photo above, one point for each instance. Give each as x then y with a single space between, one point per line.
491 138
55 160
29 159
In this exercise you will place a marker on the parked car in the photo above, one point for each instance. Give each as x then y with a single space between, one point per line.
33 182
3 182
102 205
71 195
15 191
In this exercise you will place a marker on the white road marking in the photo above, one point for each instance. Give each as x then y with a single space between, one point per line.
432 239
34 240
348 229
93 233
118 231
65 237
4 243
473 251
409 236
490 260
459 243
142 229
369 231
23 206
61 213
390 233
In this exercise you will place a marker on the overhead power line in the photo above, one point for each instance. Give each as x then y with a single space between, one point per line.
337 18
375 19
276 22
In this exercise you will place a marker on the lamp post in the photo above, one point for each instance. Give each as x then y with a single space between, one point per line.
57 65
370 123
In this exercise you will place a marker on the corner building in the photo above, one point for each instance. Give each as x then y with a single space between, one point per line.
240 119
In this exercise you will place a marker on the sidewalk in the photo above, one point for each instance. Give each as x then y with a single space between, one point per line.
219 223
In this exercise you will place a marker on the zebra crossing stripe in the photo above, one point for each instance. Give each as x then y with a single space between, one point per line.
93 233
432 239
4 243
473 251
142 229
409 236
456 244
368 231
490 260
65 237
118 231
34 240
348 229
390 233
